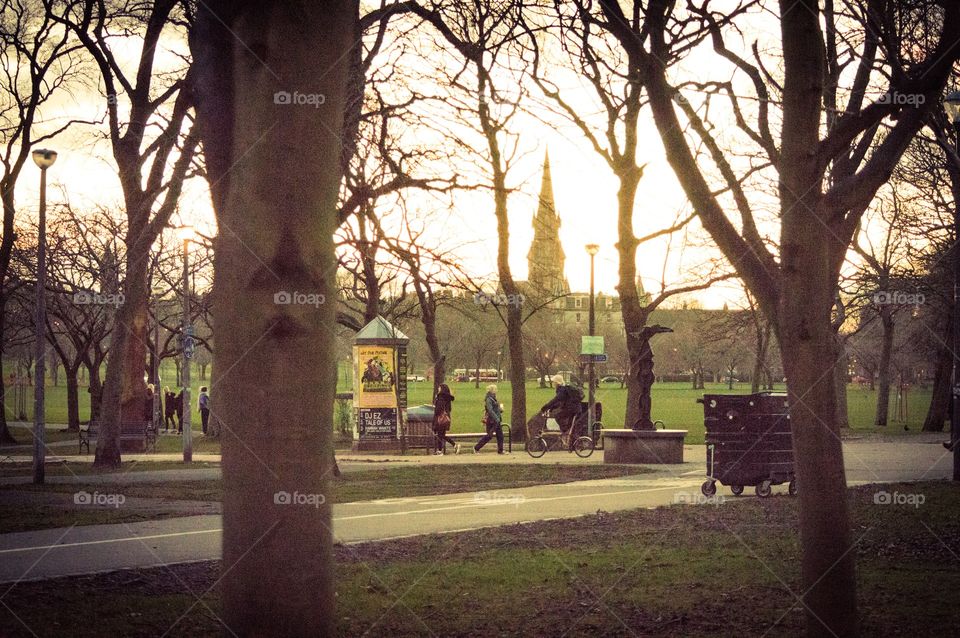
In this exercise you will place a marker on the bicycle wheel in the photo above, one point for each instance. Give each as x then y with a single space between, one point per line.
583 447
536 447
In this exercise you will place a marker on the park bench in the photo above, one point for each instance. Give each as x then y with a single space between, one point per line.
420 434
135 436
476 436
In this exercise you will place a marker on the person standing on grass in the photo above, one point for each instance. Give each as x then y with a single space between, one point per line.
178 406
169 408
148 405
492 419
442 410
203 404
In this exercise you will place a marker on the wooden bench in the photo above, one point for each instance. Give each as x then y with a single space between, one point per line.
476 436
421 435
135 436
418 434
87 435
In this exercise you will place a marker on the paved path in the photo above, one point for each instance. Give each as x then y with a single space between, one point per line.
88 549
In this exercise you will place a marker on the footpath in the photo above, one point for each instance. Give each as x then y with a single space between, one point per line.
97 548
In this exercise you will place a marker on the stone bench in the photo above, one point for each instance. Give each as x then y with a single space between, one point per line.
643 446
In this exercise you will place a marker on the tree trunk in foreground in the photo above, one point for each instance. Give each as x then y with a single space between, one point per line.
274 173
886 351
840 371
808 342
939 410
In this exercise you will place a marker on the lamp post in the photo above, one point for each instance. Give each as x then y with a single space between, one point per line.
952 106
592 250
43 158
187 344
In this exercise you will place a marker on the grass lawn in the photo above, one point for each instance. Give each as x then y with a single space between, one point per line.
683 571
673 403
351 486
71 468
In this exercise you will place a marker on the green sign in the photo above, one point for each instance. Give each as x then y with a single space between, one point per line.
591 345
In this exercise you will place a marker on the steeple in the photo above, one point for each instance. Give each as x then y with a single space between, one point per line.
545 260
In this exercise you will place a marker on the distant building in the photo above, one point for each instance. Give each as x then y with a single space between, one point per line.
546 267
545 260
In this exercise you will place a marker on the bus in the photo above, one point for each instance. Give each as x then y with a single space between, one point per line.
486 374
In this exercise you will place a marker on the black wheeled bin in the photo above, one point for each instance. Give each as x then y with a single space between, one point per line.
748 442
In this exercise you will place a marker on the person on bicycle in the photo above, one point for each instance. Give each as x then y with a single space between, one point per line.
564 407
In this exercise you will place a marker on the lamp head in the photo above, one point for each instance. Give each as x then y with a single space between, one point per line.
951 105
592 249
186 233
44 157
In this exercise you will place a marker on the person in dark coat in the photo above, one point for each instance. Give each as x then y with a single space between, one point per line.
443 404
178 405
169 408
565 406
493 418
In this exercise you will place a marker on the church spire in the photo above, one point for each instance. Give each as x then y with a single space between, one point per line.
545 260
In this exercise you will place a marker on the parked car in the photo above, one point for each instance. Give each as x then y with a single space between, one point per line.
415 377
611 378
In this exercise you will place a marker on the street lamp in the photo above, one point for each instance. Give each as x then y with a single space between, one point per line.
592 250
952 106
44 159
186 233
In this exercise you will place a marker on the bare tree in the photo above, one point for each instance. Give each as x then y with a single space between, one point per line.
826 179
610 67
151 171
487 89
39 60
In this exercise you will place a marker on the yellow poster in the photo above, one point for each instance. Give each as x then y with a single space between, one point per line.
377 382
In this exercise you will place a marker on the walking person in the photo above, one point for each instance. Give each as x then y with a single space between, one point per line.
203 403
442 411
492 419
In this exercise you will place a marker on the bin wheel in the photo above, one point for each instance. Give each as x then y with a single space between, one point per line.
709 488
583 447
793 487
536 447
763 490
736 489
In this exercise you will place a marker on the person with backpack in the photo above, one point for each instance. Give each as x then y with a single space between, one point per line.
565 407
442 411
492 419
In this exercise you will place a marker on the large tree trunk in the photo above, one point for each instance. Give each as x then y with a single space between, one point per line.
429 319
6 250
634 316
73 398
807 340
939 410
883 385
518 367
840 384
279 200
95 389
6 438
124 388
